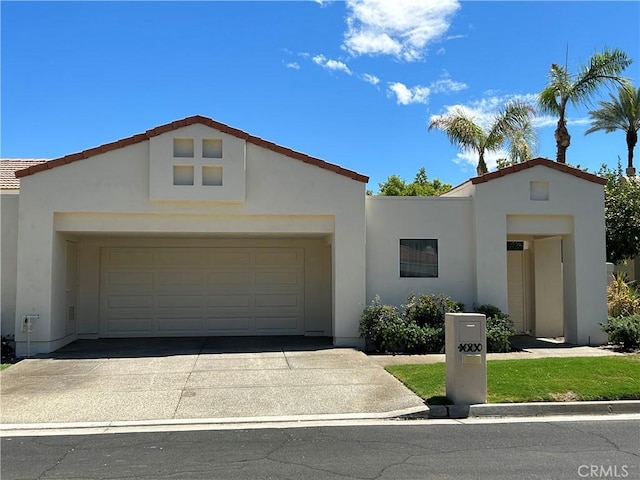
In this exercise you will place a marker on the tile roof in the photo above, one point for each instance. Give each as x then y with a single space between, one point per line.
8 168
196 119
562 167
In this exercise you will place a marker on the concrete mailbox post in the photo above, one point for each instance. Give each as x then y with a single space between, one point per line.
466 357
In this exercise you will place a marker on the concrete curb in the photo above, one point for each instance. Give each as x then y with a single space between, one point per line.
16 429
533 409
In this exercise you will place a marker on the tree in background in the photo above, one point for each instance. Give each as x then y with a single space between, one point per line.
620 113
622 214
510 125
394 186
564 87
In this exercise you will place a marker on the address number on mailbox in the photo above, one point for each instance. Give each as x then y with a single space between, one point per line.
469 347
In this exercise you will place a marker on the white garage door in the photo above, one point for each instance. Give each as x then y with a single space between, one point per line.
201 291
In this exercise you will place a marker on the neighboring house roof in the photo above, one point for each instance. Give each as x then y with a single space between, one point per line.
562 167
8 168
196 119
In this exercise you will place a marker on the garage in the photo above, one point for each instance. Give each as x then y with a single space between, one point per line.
189 291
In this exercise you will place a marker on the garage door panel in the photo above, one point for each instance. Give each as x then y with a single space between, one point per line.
119 302
229 300
179 257
129 325
178 302
275 300
128 279
202 291
230 325
279 257
179 324
276 324
229 257
278 278
229 278
179 278
130 257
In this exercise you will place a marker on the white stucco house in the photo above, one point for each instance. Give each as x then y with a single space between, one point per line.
196 228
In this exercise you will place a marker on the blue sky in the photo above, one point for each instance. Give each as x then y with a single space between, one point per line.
354 83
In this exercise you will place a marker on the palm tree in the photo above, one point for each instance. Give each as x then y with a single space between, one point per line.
563 88
620 113
510 125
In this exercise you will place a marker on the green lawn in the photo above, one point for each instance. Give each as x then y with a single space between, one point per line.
4 365
537 380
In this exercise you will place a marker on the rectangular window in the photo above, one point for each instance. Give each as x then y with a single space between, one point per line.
419 258
183 174
211 148
183 147
212 175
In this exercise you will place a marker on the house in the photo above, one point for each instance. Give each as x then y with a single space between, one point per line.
195 228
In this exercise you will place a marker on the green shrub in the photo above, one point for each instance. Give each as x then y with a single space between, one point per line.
500 328
419 329
430 309
488 310
420 326
377 323
623 330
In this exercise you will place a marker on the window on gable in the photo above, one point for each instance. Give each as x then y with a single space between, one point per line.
419 258
183 147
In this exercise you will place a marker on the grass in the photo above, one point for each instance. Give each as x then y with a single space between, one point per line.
537 380
4 365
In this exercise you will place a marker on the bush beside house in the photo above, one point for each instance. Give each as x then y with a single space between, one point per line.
623 305
418 326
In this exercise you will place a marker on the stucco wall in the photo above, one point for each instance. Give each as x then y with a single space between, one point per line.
8 265
109 195
449 220
570 197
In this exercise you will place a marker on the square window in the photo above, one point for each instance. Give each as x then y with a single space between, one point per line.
212 175
211 148
183 147
419 258
183 174
539 190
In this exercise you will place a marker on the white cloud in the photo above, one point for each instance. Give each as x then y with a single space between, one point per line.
400 28
445 85
420 93
292 65
372 79
405 95
469 160
329 64
482 111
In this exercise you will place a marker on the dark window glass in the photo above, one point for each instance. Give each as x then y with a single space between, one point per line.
418 258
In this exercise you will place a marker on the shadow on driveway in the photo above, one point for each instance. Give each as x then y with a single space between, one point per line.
164 347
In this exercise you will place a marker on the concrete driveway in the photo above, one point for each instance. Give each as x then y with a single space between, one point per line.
199 378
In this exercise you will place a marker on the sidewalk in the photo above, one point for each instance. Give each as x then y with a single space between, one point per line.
526 347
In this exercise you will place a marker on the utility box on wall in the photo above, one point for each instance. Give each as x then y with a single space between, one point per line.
466 357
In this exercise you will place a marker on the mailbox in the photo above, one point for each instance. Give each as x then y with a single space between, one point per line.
466 357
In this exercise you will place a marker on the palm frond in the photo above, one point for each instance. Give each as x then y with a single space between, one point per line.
549 99
603 68
460 129
621 112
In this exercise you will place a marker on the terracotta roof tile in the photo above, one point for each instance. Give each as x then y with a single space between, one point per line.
8 167
196 119
562 167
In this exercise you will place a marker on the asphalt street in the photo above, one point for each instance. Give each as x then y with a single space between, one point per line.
544 449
